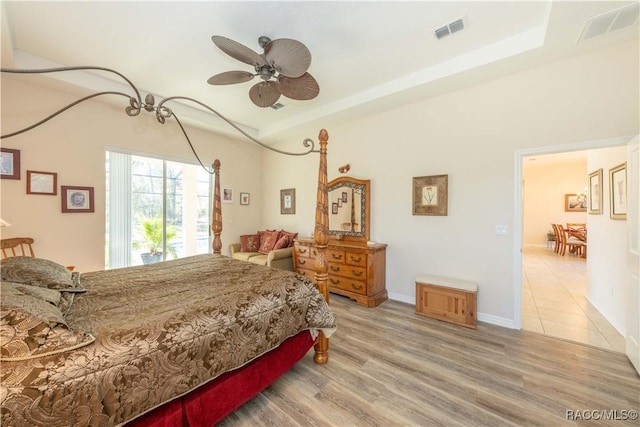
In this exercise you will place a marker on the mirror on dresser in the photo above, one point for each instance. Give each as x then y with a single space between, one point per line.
349 209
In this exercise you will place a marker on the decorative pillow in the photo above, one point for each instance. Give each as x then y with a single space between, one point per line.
292 237
268 240
283 242
32 327
40 272
249 243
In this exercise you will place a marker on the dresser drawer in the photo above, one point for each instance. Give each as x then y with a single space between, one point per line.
349 271
311 274
359 260
347 284
305 263
335 256
304 251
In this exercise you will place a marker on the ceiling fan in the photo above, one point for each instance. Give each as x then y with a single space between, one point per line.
282 67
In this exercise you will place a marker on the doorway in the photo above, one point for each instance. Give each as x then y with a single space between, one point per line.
562 276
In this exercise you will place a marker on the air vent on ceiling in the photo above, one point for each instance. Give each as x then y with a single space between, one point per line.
450 28
610 21
277 105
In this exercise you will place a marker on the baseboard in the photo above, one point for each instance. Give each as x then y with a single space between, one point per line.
619 328
482 317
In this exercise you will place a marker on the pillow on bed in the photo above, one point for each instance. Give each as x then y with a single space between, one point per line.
292 237
40 272
249 243
32 326
268 240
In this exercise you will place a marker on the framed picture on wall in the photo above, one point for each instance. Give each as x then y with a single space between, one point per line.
618 191
431 195
288 201
9 163
244 198
42 183
227 195
77 199
595 192
575 202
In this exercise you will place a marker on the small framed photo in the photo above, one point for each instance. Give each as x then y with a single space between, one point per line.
244 198
575 202
227 195
9 163
42 183
288 201
430 195
334 208
618 192
77 199
595 192
344 196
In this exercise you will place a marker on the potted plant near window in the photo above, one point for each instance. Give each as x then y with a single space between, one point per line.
151 238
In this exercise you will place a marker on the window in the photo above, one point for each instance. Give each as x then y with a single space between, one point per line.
156 209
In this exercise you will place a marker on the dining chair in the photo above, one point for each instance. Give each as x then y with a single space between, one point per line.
557 232
17 246
574 245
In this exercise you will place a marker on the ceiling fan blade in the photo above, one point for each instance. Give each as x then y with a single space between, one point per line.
230 77
264 94
289 57
303 88
238 51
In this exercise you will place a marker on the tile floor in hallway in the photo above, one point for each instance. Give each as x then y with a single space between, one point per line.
554 302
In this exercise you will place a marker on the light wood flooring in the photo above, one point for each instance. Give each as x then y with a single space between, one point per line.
391 367
554 300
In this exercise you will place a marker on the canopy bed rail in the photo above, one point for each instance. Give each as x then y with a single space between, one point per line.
201 401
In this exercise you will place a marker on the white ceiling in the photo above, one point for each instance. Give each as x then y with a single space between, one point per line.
367 55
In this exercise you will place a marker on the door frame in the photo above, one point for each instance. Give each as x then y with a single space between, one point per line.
519 155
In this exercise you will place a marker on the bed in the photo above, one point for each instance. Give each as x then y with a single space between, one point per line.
177 343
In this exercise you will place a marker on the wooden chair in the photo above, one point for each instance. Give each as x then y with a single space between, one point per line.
17 246
558 240
574 245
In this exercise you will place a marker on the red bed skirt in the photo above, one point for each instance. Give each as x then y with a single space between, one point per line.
210 403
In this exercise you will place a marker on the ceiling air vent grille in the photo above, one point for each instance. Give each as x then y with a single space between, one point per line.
277 106
610 21
450 28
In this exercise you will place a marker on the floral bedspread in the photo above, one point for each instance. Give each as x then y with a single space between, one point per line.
160 331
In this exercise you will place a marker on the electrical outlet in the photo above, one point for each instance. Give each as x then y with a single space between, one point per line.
502 229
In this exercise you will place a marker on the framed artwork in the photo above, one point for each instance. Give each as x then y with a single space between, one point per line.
430 195
344 197
76 199
9 163
334 208
575 202
227 195
288 201
42 183
618 191
595 192
244 198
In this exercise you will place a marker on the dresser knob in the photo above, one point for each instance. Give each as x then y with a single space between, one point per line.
302 261
335 268
335 282
356 260
336 256
357 288
356 273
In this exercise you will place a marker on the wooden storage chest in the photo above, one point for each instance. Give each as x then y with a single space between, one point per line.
448 299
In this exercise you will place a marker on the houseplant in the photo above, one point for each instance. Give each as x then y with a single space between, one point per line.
150 230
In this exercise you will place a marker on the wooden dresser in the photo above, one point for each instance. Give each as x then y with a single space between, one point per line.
355 270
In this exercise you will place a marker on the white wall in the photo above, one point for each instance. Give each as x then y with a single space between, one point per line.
471 135
607 245
544 190
73 146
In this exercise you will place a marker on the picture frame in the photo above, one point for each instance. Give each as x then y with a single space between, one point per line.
618 192
245 198
431 195
76 199
39 182
595 193
575 202
227 195
9 163
334 208
288 201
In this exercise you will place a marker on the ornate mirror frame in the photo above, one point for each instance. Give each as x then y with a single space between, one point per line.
347 220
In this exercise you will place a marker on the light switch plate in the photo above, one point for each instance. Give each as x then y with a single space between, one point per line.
502 230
